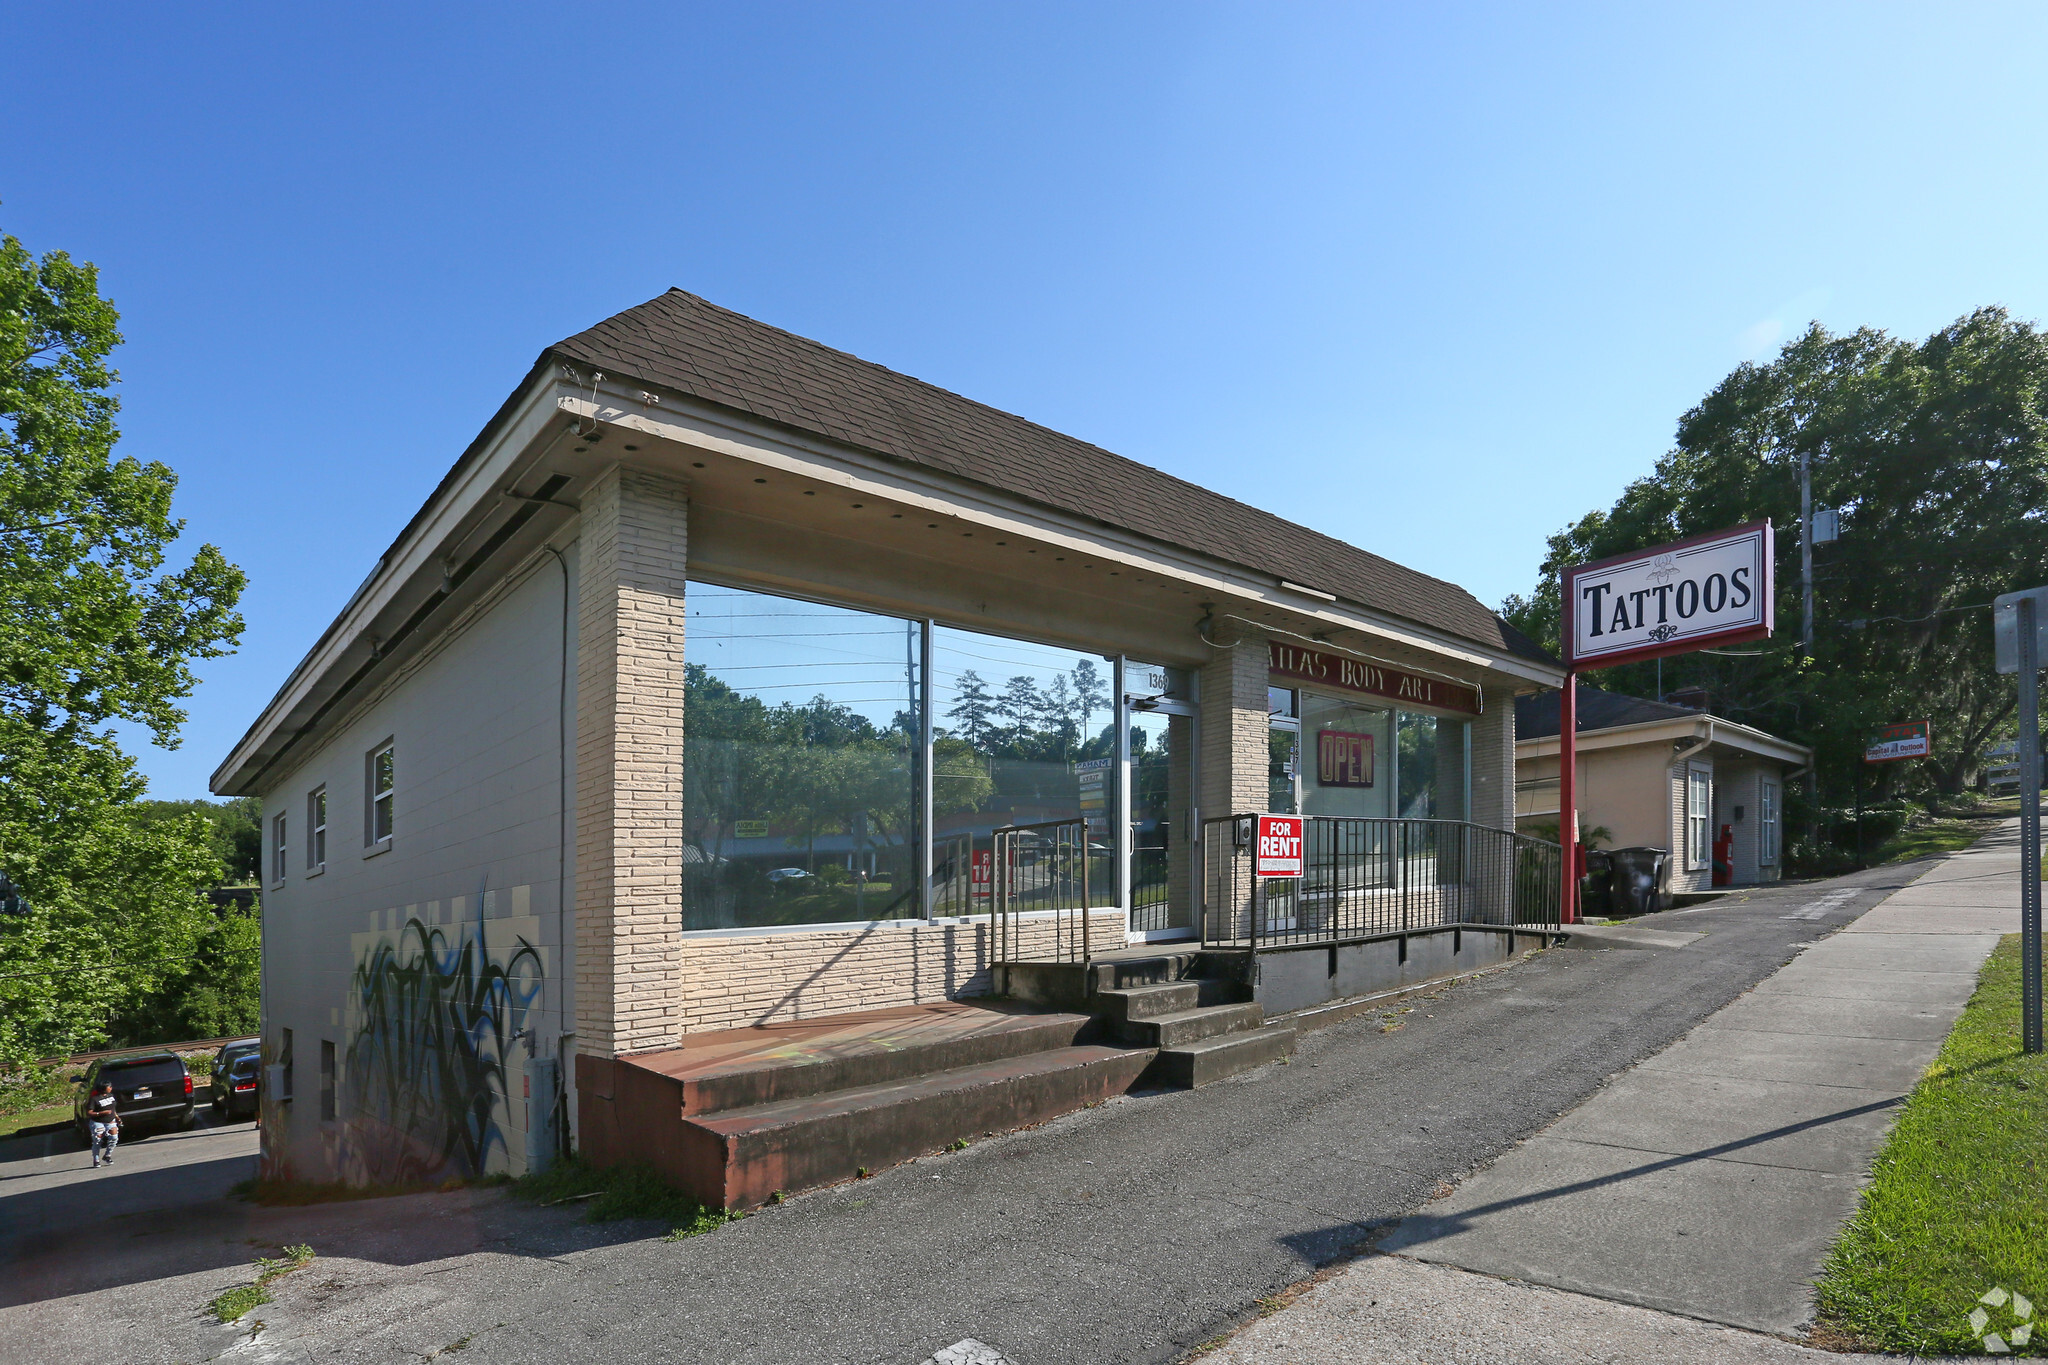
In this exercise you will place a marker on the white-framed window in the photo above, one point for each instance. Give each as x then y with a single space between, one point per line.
1767 823
316 830
1699 814
381 779
280 860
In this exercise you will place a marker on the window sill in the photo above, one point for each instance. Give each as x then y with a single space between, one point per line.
375 849
319 871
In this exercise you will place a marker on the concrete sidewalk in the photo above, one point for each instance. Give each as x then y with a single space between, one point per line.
1711 1179
1388 1310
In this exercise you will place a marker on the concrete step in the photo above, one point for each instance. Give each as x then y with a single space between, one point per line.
767 1077
1212 1059
738 1158
1152 969
1192 1026
1147 1002
1174 997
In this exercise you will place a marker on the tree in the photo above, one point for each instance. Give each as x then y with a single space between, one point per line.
236 827
1091 693
1937 455
973 710
92 631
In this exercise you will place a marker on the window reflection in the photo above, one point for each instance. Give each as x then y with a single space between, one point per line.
800 762
1024 734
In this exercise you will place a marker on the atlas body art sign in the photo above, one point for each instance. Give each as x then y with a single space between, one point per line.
1914 739
1707 590
1379 680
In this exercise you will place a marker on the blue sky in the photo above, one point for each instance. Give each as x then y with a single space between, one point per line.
1434 279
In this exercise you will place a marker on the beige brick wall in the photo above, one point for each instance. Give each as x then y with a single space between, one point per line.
1493 761
629 762
1233 707
1682 877
732 982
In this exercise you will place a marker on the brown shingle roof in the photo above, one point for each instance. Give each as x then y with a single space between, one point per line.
685 343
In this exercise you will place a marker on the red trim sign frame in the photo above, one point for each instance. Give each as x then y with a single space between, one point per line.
1896 743
1705 590
1279 851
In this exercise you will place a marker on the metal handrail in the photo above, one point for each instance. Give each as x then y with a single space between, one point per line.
1367 876
1042 867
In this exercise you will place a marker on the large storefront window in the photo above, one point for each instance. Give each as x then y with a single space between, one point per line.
1023 734
800 772
1343 756
1431 767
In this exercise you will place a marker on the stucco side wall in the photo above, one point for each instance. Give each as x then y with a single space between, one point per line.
732 981
363 955
1735 806
1623 788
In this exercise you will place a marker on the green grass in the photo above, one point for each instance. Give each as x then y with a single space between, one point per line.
621 1192
37 1087
55 1115
1957 1204
239 1300
1933 836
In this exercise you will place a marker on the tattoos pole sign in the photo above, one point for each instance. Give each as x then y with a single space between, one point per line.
1708 590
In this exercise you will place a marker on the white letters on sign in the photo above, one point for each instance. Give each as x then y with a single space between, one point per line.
1687 595
1279 851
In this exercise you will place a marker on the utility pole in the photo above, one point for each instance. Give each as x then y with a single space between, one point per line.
1805 552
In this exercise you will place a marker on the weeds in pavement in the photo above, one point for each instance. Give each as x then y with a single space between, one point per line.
621 1192
239 1300
1957 1208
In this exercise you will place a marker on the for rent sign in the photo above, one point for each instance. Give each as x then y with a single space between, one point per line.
1914 739
1708 590
1279 848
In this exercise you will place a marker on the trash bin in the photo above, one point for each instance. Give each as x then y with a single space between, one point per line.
1637 880
1596 888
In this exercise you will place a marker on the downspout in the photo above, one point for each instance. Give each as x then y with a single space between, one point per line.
1684 754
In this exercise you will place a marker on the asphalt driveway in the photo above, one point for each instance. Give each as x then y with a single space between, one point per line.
1130 1232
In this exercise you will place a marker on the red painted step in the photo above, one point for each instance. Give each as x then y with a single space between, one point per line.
737 1158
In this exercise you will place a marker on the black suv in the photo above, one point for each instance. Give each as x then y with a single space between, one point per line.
237 1071
151 1091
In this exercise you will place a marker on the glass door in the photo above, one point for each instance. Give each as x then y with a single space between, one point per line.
1161 775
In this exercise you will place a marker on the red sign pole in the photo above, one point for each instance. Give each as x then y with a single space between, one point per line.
1568 795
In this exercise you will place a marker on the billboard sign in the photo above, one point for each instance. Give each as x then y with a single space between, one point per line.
1896 742
1672 599
1280 848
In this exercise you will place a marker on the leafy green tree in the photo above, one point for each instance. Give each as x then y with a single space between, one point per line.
237 831
1936 452
93 630
973 710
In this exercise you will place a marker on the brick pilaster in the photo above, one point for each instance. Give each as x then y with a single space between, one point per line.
1234 746
1493 761
629 763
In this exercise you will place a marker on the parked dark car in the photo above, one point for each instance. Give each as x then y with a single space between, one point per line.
152 1093
237 1072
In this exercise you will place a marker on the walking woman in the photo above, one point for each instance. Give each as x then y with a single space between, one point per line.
105 1122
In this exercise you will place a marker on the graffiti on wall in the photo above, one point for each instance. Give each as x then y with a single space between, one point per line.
436 1011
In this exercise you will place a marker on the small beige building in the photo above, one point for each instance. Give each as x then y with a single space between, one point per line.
1659 775
709 693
